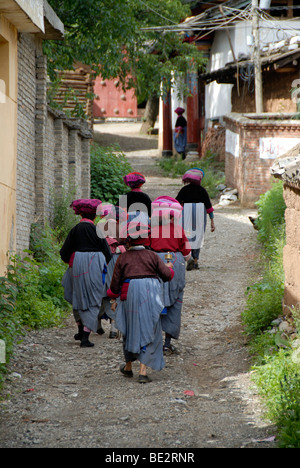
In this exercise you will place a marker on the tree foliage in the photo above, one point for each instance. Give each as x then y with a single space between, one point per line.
108 35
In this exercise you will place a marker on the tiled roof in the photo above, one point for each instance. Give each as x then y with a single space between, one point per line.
287 167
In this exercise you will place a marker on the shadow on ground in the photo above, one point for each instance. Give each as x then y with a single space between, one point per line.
126 143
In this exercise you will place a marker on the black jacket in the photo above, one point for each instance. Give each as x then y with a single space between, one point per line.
83 238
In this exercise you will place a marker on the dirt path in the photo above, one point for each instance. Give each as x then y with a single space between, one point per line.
61 395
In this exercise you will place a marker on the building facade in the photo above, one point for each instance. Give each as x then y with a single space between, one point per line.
41 150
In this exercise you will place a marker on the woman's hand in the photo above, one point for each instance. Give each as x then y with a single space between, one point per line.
113 305
213 227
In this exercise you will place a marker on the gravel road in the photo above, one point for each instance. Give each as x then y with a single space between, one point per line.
59 395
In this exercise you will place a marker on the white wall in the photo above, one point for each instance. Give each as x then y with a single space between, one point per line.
218 96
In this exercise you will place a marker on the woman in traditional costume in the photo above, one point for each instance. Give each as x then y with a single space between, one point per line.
136 281
180 134
108 227
196 206
169 241
84 281
136 199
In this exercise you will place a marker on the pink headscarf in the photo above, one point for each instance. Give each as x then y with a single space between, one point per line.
84 205
134 180
179 110
110 211
165 206
193 176
136 233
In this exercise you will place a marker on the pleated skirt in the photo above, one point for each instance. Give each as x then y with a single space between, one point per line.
172 295
84 286
140 324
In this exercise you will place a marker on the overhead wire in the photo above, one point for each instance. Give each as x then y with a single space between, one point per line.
200 26
265 17
156 12
208 25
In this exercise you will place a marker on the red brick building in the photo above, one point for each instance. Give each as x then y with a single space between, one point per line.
253 142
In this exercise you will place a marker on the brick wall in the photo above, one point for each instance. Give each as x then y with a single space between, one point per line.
25 200
53 152
252 145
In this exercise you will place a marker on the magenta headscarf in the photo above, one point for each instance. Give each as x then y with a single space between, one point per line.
110 211
193 176
179 110
134 180
136 233
84 205
165 206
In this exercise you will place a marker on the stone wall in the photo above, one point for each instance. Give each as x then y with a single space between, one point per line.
287 169
291 253
253 142
52 151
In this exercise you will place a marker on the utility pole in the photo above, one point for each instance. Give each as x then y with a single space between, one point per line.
256 59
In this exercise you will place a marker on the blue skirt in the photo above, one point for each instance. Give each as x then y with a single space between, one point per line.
105 311
84 286
172 293
139 322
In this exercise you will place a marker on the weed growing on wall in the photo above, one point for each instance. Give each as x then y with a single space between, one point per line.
64 218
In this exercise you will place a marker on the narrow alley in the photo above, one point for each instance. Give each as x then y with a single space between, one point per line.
64 396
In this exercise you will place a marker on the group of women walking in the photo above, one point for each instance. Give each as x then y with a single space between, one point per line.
130 267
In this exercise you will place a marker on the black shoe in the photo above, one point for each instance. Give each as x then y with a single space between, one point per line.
85 342
79 335
127 373
144 379
169 350
190 264
100 331
113 334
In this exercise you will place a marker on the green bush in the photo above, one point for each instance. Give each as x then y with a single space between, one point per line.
275 373
40 297
214 171
278 381
264 301
271 210
108 167
31 294
10 325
